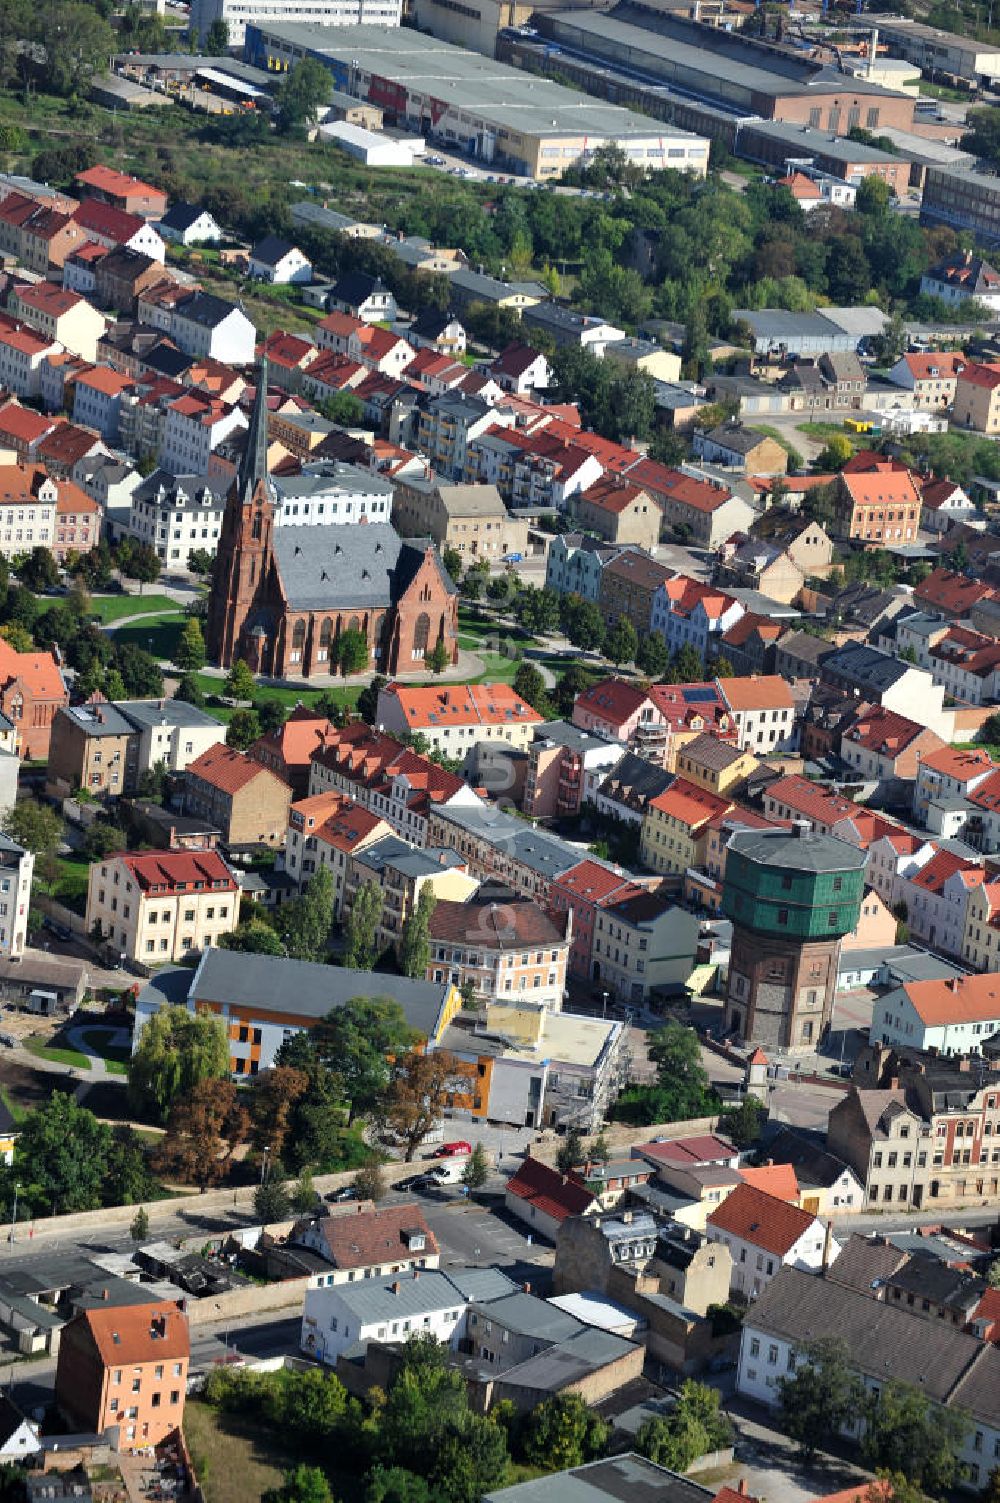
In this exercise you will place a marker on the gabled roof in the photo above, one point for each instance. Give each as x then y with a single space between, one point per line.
960 763
942 866
954 594
762 1220
294 743
884 732
515 360
613 699
689 804
105 219
175 871
270 250
228 770
553 1194
133 1334
777 1180
181 216
369 1237
959 999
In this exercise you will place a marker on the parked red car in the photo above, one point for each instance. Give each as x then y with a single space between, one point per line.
452 1150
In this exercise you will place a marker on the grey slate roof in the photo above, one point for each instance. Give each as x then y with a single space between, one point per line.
98 720
271 249
563 733
151 712
884 1342
407 1294
181 216
865 666
305 988
624 1479
395 853
206 309
366 565
542 853
808 851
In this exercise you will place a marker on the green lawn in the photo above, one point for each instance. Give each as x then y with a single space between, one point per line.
344 694
115 607
157 633
71 1057
237 1459
70 886
115 1056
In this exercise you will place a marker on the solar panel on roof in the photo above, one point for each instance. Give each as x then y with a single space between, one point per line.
697 696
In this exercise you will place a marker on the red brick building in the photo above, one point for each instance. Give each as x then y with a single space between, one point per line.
31 691
282 598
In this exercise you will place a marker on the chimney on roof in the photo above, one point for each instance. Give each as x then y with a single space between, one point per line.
416 1274
741 1487
827 1246
953 983
105 1294
894 1082
395 1286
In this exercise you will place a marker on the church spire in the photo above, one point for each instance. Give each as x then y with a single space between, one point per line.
253 465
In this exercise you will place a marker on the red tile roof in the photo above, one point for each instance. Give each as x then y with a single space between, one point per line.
952 594
758 692
699 495
377 1236
104 219
986 376
944 365
933 876
884 732
774 1179
591 880
553 1194
430 708
303 733
689 804
763 1220
38 671
959 999
706 1148
960 764
799 795
176 871
226 769
127 1335
613 699
107 180
611 494
495 926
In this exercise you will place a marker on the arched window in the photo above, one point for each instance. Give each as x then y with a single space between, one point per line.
258 524
298 641
421 634
355 624
325 633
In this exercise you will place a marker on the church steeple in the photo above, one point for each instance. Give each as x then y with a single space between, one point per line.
244 550
253 465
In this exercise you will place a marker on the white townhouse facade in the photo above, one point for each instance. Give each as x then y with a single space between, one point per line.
16 868
193 428
22 360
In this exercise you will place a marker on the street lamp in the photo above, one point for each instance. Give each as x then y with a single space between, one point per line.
263 1162
13 1219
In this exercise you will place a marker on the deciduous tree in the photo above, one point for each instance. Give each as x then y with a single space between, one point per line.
177 1050
60 1159
421 1086
273 1096
822 1396
356 1041
362 927
905 1431
243 729
415 949
204 1130
240 682
352 651
307 921
190 652
622 642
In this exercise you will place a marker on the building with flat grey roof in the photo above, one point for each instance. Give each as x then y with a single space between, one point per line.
941 55
470 103
964 200
783 144
726 69
614 1480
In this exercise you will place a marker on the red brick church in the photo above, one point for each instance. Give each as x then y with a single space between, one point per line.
281 596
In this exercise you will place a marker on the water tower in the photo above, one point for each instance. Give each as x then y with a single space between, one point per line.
792 895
